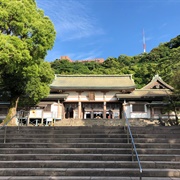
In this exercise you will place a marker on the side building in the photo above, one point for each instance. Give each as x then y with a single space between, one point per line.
149 101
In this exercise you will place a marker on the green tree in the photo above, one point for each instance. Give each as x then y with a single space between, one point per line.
62 66
25 36
124 60
111 62
80 68
175 104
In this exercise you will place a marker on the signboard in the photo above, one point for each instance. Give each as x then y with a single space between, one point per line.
36 113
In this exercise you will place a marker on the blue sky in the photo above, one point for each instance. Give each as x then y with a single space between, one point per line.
88 29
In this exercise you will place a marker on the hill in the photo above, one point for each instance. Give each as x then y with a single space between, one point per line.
163 60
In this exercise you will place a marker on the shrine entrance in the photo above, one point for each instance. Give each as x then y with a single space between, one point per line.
69 110
98 111
93 110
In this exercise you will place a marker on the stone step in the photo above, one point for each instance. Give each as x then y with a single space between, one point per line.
103 135
167 136
62 131
159 157
156 140
159 128
67 145
157 151
64 140
82 178
21 135
88 164
89 145
87 157
69 127
158 145
68 164
154 131
15 139
90 157
89 172
87 151
66 150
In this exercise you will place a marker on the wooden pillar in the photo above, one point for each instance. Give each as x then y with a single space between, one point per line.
42 118
28 119
104 110
59 111
79 110
151 113
79 106
123 111
92 115
63 111
104 106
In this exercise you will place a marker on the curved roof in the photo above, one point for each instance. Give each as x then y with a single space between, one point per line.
157 81
139 93
113 82
56 96
156 88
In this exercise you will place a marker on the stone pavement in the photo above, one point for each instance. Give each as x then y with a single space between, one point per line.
104 122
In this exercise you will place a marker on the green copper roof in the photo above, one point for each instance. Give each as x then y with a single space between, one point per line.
93 82
157 80
138 93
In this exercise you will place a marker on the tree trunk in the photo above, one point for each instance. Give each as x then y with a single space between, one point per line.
12 112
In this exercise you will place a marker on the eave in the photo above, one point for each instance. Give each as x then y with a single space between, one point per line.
56 97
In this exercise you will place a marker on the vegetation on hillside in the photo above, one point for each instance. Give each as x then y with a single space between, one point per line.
163 60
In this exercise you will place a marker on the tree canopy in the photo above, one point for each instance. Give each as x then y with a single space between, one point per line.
25 36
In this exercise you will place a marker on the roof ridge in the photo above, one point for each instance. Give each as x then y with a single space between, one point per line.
93 75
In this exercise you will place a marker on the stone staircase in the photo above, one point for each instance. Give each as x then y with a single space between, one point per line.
89 153
159 150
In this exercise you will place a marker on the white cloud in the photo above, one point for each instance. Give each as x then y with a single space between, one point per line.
163 36
148 38
163 25
72 18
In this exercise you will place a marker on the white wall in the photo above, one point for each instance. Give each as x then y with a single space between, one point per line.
73 96
99 96
130 114
110 96
84 96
